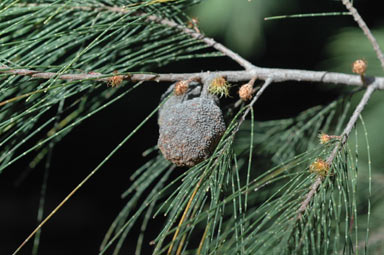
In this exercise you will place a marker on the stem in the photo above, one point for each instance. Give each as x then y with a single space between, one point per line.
358 110
347 130
279 75
209 41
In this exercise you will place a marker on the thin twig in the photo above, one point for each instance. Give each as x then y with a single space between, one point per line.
309 196
50 75
347 130
359 108
208 41
356 16
279 75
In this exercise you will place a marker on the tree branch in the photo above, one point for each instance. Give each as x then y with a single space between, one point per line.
358 110
356 16
344 136
279 75
267 74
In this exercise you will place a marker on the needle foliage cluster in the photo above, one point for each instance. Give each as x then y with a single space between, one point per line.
244 199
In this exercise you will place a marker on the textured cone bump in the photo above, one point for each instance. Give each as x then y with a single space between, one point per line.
190 130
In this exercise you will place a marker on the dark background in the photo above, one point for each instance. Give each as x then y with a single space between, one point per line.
80 225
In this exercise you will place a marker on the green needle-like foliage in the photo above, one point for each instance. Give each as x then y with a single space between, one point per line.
72 37
232 213
246 198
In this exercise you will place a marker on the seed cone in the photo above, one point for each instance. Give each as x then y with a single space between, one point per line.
190 130
359 66
245 92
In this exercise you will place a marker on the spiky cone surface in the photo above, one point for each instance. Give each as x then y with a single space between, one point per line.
190 131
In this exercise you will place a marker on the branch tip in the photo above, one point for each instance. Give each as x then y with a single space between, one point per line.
341 142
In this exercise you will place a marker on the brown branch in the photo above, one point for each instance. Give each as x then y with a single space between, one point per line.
50 75
356 16
279 75
347 130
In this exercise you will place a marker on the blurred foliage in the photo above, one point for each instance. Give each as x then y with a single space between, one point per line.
348 45
218 188
240 23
